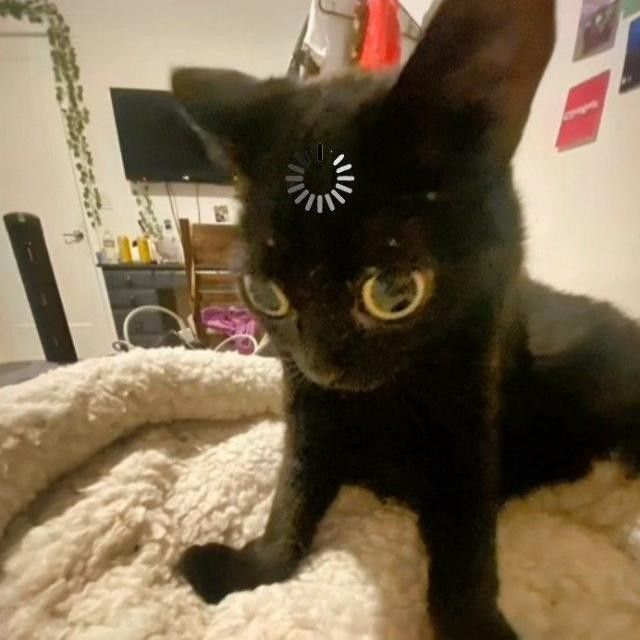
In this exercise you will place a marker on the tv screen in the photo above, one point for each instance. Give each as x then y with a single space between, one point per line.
156 142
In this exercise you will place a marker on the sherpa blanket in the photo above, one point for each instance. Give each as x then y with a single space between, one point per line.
110 468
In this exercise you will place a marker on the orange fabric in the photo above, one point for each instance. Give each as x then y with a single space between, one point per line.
382 42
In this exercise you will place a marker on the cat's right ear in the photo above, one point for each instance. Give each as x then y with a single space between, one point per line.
232 110
470 83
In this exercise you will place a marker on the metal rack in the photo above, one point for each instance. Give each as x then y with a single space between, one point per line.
345 9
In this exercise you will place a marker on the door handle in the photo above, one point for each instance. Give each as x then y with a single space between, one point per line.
74 236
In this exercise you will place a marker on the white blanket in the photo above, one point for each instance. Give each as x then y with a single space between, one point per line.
92 556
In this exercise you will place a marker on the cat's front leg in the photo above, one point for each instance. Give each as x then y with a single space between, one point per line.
304 492
459 527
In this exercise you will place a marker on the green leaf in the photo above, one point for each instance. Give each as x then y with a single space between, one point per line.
68 92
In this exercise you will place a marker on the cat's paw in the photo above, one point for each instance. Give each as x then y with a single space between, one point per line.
214 571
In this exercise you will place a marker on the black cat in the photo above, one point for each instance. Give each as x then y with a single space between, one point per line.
419 360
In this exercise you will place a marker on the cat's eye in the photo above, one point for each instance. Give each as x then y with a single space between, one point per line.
391 296
266 296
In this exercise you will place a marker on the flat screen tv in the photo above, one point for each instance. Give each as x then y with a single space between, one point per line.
156 142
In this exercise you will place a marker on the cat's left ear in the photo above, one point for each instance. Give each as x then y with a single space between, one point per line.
234 110
472 78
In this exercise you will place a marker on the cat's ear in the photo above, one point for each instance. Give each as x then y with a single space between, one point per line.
231 109
473 76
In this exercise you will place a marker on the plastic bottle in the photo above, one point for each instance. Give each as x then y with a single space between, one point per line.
124 249
109 248
144 249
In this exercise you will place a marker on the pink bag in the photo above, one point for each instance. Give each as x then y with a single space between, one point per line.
231 321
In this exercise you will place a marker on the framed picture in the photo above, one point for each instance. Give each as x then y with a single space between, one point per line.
631 73
629 7
598 27
583 112
221 213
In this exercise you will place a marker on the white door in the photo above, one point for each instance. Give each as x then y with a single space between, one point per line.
36 176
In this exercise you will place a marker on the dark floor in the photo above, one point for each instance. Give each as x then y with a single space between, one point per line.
15 372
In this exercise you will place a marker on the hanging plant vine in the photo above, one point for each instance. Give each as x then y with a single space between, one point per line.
69 93
146 213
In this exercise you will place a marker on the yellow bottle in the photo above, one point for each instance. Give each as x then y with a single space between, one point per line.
124 249
144 249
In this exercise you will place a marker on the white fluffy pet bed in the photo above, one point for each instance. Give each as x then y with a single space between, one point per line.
93 522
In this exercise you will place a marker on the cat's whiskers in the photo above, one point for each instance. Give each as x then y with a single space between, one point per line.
291 370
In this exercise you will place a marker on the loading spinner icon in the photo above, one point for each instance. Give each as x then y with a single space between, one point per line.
305 168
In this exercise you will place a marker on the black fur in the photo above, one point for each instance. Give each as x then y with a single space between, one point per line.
496 386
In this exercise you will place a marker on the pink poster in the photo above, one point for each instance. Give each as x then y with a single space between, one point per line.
583 112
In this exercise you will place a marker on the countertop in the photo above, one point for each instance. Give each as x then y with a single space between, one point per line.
128 266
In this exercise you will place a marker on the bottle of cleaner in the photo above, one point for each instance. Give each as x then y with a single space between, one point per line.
109 248
144 249
124 249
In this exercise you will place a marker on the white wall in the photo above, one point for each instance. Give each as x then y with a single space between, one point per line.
135 43
583 206
416 8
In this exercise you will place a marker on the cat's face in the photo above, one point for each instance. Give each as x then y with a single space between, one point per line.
428 235
353 295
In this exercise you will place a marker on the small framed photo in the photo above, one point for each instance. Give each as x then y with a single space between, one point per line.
598 27
629 7
221 213
631 73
